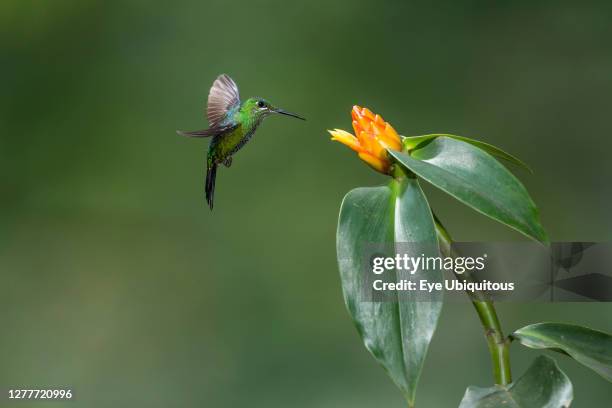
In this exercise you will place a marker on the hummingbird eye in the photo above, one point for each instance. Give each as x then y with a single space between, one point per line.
260 104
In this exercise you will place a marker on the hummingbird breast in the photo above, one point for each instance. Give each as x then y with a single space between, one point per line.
245 138
226 145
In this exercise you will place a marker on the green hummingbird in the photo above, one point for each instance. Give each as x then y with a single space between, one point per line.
231 123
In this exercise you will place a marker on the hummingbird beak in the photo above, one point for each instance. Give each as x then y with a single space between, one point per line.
284 112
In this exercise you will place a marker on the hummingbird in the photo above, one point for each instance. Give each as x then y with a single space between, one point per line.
231 124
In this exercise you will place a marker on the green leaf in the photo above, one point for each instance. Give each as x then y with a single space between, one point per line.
544 385
589 347
396 332
412 142
475 178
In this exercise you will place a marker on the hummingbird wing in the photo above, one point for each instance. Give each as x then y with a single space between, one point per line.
222 97
213 131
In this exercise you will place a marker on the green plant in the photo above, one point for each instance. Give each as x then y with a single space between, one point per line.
398 332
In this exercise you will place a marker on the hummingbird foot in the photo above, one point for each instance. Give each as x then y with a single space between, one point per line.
227 162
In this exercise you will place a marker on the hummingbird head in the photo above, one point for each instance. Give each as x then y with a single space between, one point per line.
260 108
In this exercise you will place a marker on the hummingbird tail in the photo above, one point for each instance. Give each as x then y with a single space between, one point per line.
211 174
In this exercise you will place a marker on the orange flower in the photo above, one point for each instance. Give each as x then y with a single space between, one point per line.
372 137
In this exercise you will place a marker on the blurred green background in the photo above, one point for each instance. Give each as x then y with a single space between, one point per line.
119 282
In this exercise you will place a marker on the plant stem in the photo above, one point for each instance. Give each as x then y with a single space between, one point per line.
499 345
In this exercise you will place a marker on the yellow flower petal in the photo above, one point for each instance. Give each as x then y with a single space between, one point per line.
365 112
367 141
356 112
390 137
345 138
376 163
379 120
377 146
365 124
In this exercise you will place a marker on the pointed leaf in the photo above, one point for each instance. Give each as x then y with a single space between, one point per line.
398 332
544 385
475 178
412 142
589 347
